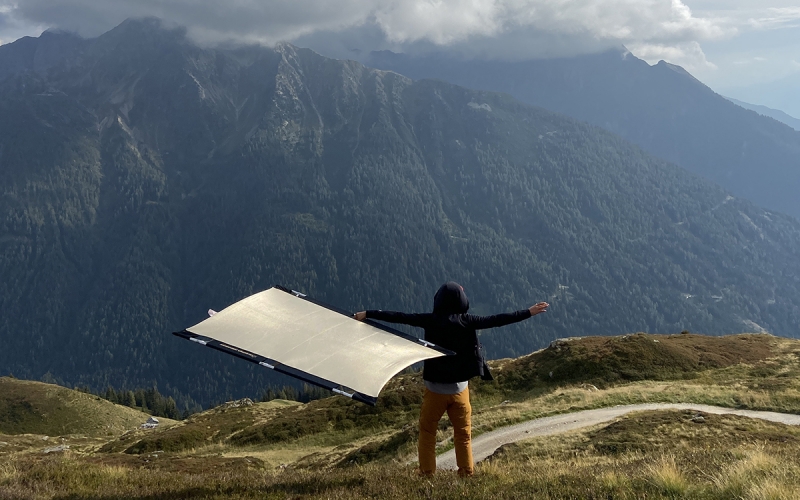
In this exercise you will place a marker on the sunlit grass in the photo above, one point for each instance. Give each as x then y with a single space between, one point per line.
772 489
721 462
8 470
752 473
667 478
370 454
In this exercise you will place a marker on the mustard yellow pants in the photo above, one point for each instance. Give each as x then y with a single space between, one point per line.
460 412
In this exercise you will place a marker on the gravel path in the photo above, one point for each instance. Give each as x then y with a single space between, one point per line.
486 444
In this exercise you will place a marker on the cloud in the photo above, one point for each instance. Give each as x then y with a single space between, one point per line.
12 28
776 18
751 60
688 54
490 26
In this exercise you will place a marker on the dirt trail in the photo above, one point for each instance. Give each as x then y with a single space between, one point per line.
486 444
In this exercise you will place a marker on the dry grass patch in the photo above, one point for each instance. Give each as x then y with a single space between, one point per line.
667 478
772 489
667 454
753 473
8 470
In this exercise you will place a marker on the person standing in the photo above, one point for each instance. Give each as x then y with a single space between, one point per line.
446 378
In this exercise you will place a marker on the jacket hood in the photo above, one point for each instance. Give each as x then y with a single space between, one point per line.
450 299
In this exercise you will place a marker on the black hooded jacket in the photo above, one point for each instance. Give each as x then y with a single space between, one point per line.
450 326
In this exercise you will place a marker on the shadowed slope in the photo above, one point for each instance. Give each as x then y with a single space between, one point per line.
28 407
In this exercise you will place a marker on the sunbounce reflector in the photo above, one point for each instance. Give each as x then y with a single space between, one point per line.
287 332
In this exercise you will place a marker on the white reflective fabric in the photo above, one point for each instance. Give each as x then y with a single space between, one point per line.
300 334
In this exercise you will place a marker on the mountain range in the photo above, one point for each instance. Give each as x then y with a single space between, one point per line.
661 108
145 180
775 114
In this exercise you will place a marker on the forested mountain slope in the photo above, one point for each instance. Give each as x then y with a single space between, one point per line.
145 180
662 108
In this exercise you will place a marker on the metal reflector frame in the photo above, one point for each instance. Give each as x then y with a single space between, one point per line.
285 331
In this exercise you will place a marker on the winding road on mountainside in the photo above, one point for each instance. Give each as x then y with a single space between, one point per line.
486 444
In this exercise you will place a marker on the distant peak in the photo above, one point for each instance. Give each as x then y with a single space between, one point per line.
675 68
149 22
664 65
285 46
148 26
58 32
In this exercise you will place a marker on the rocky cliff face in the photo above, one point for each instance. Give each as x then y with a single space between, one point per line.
145 179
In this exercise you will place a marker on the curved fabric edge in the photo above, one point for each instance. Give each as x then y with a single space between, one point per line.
278 367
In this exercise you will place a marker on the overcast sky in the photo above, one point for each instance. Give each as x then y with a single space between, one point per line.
748 49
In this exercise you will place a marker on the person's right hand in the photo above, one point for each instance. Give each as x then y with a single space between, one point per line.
361 315
538 308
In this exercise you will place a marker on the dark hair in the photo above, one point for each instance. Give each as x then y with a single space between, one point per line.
450 299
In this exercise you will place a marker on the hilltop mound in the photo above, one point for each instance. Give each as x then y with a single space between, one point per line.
211 426
28 407
606 360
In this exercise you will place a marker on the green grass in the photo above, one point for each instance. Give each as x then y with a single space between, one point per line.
673 457
335 448
665 454
605 361
28 407
203 429
398 405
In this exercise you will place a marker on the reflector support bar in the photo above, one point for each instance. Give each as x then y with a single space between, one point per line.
274 365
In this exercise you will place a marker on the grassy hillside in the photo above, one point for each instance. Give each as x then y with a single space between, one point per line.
605 361
663 454
729 457
200 430
335 448
28 407
754 371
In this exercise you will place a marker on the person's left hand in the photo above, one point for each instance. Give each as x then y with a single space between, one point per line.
538 308
360 316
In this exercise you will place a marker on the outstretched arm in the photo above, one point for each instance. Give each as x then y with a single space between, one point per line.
394 317
483 322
